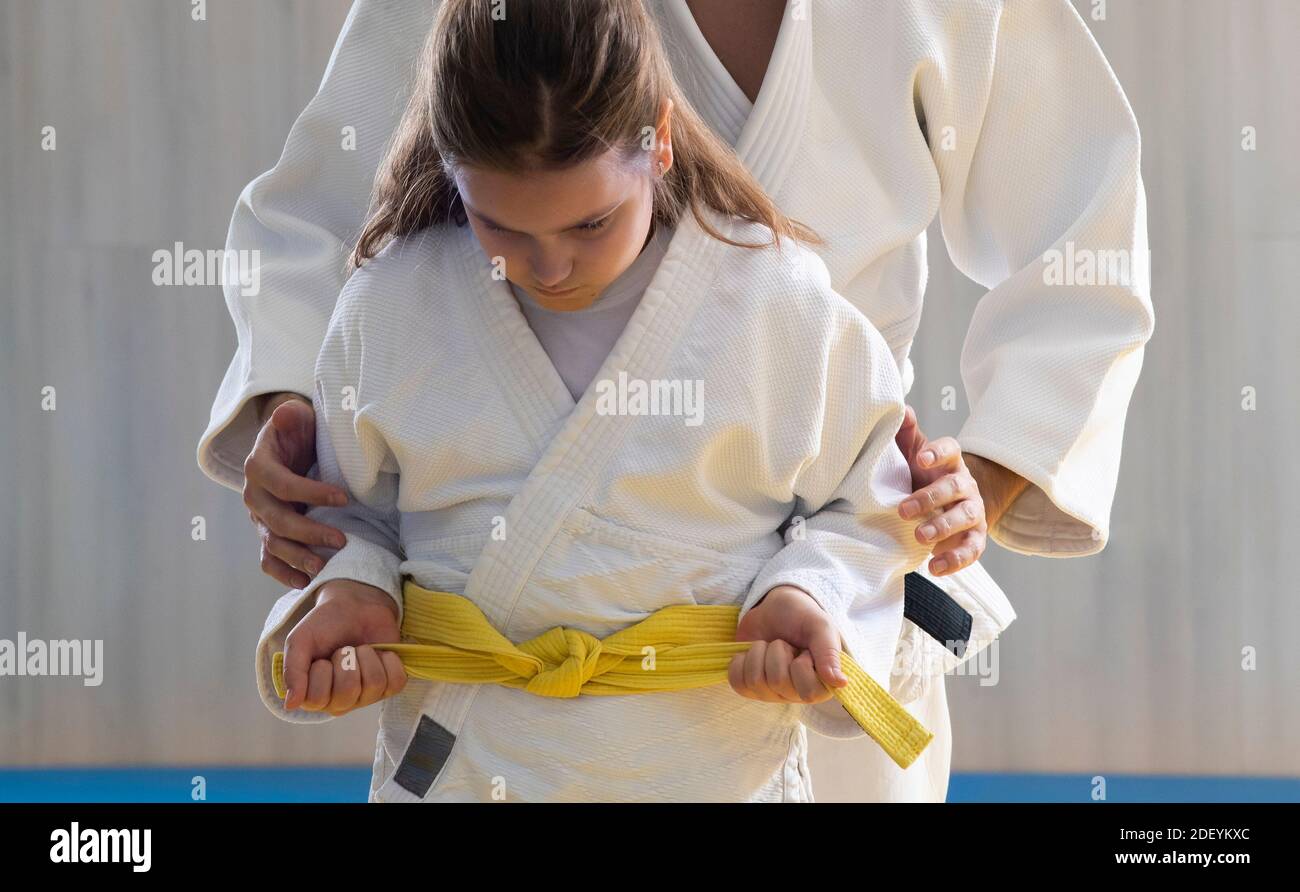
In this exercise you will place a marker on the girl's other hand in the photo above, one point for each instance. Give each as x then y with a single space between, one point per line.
327 665
795 657
273 482
945 503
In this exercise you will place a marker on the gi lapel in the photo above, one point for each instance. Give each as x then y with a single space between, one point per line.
775 126
574 441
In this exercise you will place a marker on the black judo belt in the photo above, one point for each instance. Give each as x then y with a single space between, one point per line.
936 613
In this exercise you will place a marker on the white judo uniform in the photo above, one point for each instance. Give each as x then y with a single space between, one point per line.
1000 116
764 396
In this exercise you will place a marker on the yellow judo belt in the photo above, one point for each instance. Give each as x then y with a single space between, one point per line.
674 649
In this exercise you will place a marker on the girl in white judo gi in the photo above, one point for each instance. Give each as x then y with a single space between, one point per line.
542 148
832 149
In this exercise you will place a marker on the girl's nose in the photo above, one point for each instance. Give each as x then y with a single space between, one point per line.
550 272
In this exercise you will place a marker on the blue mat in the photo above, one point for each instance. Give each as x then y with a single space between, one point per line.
311 783
348 783
1120 788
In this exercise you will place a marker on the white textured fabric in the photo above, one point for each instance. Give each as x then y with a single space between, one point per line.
1001 117
464 453
712 90
577 342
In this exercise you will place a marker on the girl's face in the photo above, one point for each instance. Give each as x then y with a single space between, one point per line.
566 235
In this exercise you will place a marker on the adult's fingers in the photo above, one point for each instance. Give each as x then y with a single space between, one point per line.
281 572
968 514
944 450
909 416
291 553
945 491
956 552
908 431
285 521
264 469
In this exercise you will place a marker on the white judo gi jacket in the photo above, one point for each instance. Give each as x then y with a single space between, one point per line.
471 469
1000 116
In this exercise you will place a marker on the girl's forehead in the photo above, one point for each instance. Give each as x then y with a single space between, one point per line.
544 201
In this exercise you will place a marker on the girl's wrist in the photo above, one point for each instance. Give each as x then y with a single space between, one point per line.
357 592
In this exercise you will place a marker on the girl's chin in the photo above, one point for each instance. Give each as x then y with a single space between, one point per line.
578 299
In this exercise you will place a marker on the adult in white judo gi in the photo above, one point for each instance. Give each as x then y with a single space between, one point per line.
1002 117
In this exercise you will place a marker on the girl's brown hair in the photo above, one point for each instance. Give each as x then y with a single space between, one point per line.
520 85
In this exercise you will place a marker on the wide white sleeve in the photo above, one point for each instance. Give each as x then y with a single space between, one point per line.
1042 202
847 547
353 455
299 220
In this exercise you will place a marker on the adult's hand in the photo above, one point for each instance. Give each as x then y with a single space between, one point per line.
946 503
277 494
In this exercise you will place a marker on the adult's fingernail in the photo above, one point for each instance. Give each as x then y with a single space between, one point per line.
910 507
939 566
339 499
927 456
337 540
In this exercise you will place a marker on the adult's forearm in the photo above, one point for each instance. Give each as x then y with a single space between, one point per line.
999 487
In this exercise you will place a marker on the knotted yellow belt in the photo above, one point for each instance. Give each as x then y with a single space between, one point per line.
674 649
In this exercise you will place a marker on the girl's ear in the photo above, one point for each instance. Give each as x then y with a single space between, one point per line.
663 149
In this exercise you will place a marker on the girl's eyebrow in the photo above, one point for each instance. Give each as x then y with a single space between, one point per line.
589 219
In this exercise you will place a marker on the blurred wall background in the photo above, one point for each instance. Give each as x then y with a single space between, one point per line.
1129 661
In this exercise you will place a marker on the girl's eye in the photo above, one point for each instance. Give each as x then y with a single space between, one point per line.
594 226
